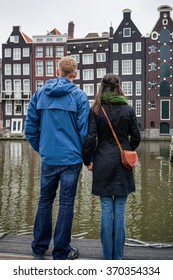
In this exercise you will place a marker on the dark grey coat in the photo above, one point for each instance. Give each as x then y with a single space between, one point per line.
110 177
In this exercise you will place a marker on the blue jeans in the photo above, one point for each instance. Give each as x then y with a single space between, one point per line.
50 177
112 227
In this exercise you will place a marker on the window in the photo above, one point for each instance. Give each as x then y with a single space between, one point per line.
14 39
164 36
17 54
165 69
127 67
39 52
7 69
8 87
17 107
138 88
7 52
164 88
138 66
101 72
154 35
7 123
49 51
126 48
165 53
138 46
17 89
59 51
39 84
152 105
49 68
78 74
101 57
153 66
39 68
165 110
152 124
127 88
87 59
76 57
116 67
89 89
152 85
164 128
25 106
138 108
8 107
153 49
26 86
16 69
88 74
26 69
126 32
25 52
115 47
16 125
130 102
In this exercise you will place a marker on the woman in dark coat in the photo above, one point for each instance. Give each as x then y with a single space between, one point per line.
111 180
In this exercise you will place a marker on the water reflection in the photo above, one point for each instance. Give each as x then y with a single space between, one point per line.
149 209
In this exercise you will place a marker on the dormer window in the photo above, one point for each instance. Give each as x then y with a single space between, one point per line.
126 32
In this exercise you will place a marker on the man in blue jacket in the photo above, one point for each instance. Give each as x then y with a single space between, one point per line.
56 127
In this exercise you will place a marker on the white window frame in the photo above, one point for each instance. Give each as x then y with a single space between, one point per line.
89 89
49 51
16 69
116 67
101 72
130 102
59 51
125 30
88 74
17 103
138 88
8 107
17 88
49 68
138 46
25 107
7 69
138 66
126 48
26 52
138 108
115 47
39 71
78 75
8 87
16 54
39 51
7 52
7 123
26 86
26 69
76 57
127 87
127 67
39 84
17 121
101 57
87 58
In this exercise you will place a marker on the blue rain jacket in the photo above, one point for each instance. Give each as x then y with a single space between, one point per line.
56 124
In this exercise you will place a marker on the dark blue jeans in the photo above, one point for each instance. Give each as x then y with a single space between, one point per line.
50 178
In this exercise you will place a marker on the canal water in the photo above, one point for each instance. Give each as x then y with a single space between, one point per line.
149 210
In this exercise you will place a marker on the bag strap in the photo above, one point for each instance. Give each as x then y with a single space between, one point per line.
113 132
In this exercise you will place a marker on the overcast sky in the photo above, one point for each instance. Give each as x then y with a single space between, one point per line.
36 17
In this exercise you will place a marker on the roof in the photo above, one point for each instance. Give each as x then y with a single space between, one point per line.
54 32
92 35
27 39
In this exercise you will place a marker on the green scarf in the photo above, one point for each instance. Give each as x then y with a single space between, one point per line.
112 98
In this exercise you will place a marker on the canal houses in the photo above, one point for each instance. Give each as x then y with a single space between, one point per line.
92 55
159 77
46 51
16 80
127 59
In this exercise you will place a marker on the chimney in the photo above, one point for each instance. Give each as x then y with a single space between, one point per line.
127 14
71 30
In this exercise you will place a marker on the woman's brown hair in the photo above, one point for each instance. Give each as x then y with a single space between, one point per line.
109 83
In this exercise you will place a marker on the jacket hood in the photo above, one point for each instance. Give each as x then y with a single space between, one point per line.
59 87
